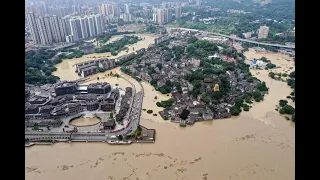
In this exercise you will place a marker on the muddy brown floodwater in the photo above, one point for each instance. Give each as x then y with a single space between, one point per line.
66 70
85 121
257 145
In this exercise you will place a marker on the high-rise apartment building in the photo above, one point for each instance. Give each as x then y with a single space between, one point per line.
160 16
55 29
127 17
69 38
31 19
75 29
63 29
109 9
66 23
126 8
43 24
155 17
198 2
98 23
178 12
84 27
92 28
168 15
163 15
263 32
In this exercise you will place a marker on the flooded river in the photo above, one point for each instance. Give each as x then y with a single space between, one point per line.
258 145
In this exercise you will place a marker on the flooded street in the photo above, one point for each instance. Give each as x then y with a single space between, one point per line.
66 71
258 145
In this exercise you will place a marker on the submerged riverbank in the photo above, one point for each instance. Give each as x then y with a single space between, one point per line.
258 144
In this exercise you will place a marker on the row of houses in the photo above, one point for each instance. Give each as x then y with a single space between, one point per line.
91 67
125 104
35 112
56 123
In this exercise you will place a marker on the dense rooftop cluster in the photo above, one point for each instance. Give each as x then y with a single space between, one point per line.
52 102
206 78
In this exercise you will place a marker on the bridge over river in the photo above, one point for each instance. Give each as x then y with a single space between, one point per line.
238 39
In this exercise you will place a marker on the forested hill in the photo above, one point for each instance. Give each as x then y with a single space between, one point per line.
277 9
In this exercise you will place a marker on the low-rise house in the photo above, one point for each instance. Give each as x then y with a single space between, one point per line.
207 80
55 123
30 124
161 83
175 119
44 123
208 115
108 104
109 125
31 108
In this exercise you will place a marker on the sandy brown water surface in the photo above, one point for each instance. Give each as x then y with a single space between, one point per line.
85 121
258 145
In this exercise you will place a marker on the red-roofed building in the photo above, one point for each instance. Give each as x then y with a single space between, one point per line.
207 80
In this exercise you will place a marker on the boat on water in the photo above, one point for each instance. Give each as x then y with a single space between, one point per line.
119 142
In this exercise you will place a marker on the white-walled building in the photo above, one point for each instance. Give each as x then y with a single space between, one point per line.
263 32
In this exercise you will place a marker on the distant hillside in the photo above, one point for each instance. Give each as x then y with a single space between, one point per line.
273 9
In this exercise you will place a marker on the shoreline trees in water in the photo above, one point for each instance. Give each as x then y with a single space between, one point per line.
287 109
118 45
40 65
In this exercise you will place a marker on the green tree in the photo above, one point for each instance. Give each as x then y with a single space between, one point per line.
159 65
159 104
282 102
120 137
262 86
270 65
292 74
235 111
282 111
288 109
264 59
185 113
271 74
291 83
238 102
293 118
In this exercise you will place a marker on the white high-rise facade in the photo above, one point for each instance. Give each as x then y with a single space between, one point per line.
168 15
160 16
154 17
84 27
163 15
98 24
92 28
178 12
126 8
75 29
263 32
31 18
109 9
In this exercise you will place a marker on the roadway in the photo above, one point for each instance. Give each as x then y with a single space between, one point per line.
240 39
